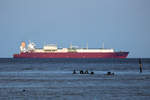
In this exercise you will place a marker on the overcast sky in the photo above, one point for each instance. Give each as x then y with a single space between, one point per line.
120 24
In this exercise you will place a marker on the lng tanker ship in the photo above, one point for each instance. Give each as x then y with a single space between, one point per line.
52 51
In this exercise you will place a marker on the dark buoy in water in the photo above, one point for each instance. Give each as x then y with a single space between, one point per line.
112 73
140 64
74 72
81 72
86 72
109 73
92 72
23 90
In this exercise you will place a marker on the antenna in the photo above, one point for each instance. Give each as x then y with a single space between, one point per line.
71 45
103 45
87 45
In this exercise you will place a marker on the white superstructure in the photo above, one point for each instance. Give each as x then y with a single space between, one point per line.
54 48
50 47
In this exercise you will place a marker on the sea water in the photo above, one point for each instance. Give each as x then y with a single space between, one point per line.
53 79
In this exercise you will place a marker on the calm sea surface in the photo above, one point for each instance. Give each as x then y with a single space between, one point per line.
52 79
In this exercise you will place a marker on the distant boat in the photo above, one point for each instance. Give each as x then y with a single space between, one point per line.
52 51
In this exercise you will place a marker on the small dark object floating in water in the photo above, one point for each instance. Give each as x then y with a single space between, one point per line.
74 72
109 73
23 90
81 72
86 72
92 72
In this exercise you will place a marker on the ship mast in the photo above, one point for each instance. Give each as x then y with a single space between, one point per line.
87 45
71 45
103 45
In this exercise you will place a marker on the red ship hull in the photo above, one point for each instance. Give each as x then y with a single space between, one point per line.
71 55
